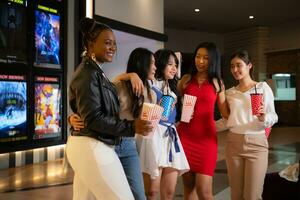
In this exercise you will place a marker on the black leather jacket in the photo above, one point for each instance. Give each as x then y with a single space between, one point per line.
93 97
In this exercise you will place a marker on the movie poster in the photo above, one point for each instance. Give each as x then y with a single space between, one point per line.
47 44
13 29
47 115
13 108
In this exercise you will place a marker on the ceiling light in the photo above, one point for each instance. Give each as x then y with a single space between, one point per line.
251 17
197 10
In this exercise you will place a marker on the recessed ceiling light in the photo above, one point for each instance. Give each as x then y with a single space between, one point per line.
197 10
251 17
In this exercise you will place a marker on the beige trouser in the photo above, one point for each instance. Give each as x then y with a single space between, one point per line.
247 162
98 173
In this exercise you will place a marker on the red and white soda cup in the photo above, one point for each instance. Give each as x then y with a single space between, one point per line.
256 102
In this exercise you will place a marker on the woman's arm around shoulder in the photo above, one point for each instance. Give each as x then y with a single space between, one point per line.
136 82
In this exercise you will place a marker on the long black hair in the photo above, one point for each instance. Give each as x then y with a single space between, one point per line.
214 62
162 57
90 30
139 62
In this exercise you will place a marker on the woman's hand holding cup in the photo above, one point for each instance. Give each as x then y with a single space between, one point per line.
261 113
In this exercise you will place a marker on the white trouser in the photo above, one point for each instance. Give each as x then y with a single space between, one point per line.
98 170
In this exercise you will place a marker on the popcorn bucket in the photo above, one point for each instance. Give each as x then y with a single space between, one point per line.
188 107
151 112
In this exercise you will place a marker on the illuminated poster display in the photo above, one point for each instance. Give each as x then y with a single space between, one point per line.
47 37
13 29
13 108
32 74
47 115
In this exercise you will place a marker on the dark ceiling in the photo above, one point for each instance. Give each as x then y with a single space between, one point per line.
223 16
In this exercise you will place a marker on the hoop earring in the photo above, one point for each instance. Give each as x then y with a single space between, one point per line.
93 57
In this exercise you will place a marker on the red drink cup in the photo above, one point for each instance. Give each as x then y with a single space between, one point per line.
256 102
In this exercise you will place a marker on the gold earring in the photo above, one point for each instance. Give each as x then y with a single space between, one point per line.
93 57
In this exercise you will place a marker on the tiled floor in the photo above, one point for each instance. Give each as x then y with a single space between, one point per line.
35 176
284 150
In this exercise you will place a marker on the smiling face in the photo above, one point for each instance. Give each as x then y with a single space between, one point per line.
152 69
170 69
104 46
202 60
239 68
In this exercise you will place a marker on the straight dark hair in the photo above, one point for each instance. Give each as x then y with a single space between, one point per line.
139 62
214 63
162 57
244 56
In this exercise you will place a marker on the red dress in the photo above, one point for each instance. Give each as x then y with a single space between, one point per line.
199 137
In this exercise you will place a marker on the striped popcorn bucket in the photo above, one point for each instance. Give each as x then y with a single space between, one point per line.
188 108
151 112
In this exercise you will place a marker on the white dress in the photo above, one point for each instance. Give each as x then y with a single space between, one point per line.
164 148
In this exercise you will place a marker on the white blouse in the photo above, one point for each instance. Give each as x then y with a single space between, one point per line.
241 120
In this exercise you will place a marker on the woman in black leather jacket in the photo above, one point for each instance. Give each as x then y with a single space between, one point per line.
98 171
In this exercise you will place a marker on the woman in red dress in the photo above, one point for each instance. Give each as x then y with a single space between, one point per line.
198 137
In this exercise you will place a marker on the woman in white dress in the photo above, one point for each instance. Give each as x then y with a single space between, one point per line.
162 156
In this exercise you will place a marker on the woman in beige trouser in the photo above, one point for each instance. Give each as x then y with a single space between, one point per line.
247 161
247 145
